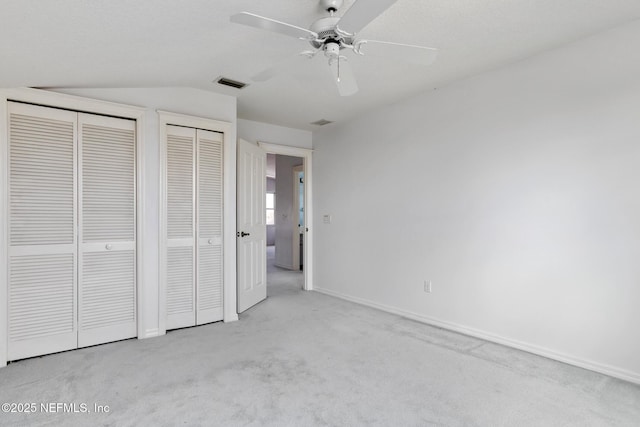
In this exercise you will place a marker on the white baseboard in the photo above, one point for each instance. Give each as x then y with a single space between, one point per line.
231 318
150 333
612 371
287 267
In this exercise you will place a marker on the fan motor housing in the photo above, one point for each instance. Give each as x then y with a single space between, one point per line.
326 30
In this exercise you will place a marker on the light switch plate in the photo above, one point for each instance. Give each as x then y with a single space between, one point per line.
326 219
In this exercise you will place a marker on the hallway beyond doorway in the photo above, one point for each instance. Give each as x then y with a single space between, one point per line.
280 280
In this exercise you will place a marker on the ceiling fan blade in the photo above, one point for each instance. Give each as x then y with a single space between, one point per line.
344 77
281 66
246 18
421 55
361 13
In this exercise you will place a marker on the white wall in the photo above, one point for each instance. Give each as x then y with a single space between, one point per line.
262 132
187 101
286 213
517 193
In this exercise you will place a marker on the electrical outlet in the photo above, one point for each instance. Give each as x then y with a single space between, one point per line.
427 286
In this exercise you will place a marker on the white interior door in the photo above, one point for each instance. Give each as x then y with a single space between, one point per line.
209 224
251 223
42 231
180 216
107 256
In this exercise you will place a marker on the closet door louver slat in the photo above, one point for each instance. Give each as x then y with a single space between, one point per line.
180 281
42 242
209 201
180 220
107 280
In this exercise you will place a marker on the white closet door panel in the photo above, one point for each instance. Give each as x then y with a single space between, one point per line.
42 241
108 305
209 284
180 287
209 184
41 304
42 175
107 280
180 182
180 260
108 179
209 208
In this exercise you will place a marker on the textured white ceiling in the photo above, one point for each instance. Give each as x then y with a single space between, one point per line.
146 43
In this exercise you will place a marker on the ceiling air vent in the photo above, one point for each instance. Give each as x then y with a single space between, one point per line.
231 83
321 122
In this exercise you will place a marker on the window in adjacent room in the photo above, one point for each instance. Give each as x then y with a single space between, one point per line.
271 208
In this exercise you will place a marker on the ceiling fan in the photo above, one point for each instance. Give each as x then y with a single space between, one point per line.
332 34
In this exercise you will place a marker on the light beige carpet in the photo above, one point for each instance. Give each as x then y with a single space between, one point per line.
304 359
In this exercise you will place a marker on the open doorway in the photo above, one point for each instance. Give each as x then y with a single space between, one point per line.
251 253
306 155
285 223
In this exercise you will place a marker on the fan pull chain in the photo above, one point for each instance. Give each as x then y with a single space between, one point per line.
338 69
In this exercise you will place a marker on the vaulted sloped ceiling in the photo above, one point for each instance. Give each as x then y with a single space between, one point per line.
145 43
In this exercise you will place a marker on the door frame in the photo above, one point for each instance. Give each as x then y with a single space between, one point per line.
79 104
228 216
295 241
307 163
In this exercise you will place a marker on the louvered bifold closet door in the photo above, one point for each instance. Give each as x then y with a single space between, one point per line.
180 261
209 207
107 258
42 231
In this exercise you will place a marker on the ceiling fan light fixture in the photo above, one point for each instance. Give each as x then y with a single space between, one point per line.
332 50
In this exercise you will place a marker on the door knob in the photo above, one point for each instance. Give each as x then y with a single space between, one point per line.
210 241
108 246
